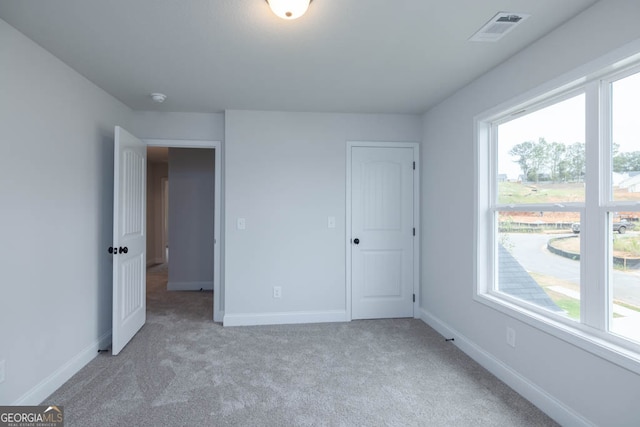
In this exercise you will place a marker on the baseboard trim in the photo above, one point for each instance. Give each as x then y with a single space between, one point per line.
37 394
252 319
218 317
189 286
530 391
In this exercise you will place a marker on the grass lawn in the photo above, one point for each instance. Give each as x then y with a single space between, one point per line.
570 305
625 305
552 192
519 193
626 246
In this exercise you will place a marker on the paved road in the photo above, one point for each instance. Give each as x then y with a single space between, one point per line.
530 249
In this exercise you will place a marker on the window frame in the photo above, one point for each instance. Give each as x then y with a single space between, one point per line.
609 206
592 332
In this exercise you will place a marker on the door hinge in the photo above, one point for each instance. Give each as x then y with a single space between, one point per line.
414 297
414 165
414 231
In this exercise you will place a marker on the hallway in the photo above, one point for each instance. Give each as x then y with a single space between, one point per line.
191 305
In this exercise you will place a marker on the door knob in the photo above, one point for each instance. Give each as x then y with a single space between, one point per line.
356 241
111 250
122 250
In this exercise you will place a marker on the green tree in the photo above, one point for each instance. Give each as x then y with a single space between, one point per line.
524 152
575 157
562 162
539 159
557 153
626 161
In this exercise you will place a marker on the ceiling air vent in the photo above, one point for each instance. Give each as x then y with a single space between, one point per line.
498 26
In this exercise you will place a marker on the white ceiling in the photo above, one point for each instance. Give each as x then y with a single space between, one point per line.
373 56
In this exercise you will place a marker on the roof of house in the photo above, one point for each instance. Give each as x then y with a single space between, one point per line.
634 179
516 281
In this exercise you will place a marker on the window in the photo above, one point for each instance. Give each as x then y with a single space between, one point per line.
622 94
558 205
540 177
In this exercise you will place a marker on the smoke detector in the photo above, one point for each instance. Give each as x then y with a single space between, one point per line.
498 26
158 97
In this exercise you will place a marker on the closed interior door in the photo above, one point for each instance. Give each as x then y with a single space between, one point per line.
129 238
382 225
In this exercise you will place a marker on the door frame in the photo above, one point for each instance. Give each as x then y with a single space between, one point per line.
416 217
218 246
164 211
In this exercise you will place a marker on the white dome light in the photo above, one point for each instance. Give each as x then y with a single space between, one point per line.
289 9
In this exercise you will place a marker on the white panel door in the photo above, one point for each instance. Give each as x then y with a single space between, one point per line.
382 227
129 238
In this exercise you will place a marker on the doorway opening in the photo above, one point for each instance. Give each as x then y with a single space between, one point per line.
130 233
180 210
183 223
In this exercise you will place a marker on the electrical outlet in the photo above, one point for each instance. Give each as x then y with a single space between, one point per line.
2 365
331 222
242 224
277 291
511 337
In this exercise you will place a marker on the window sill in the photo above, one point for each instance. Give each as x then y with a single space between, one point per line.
578 335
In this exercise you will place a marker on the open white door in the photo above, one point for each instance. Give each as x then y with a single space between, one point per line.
129 238
382 232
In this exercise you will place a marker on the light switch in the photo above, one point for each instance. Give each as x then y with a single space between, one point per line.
331 222
242 224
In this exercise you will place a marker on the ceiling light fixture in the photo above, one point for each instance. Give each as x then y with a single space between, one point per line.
158 97
289 9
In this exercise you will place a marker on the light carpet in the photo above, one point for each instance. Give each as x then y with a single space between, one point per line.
182 369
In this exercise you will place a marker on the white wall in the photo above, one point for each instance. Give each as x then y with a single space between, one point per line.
566 378
191 216
151 238
199 126
285 174
156 171
56 211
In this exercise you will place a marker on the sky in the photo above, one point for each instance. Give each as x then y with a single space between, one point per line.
564 122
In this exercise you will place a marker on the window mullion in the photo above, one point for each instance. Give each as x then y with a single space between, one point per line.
594 243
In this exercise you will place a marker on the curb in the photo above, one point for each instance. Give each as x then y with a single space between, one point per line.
633 263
